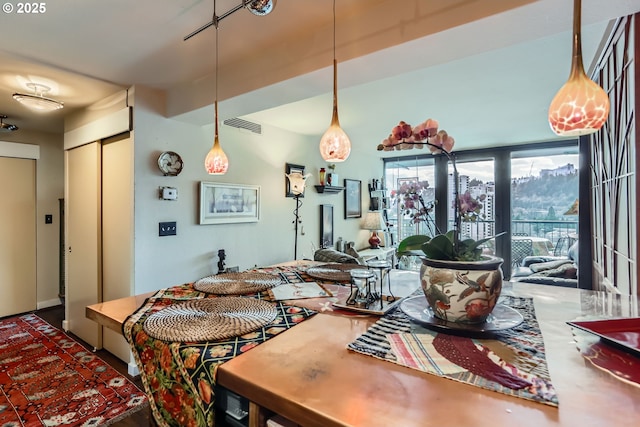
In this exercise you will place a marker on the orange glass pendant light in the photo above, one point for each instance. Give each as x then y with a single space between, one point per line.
216 162
581 106
335 145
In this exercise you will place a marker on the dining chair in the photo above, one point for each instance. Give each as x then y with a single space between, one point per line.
520 249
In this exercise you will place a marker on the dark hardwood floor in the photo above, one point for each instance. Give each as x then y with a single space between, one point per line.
55 316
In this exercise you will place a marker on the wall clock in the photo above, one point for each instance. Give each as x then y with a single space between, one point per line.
170 163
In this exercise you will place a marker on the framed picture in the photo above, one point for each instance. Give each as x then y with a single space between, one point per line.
289 168
352 198
326 226
228 203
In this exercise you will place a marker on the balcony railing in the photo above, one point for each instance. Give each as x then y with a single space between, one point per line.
558 236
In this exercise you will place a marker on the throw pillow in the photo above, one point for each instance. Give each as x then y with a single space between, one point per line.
541 266
332 255
566 271
351 251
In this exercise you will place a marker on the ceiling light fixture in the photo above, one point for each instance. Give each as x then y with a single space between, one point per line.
257 7
581 106
260 7
334 144
38 101
6 127
216 162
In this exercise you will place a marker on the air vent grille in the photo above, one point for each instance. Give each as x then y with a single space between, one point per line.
244 124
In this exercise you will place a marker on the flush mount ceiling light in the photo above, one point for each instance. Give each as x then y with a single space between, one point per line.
581 106
6 127
37 100
335 145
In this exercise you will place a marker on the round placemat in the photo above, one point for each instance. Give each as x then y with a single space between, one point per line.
337 272
209 319
237 283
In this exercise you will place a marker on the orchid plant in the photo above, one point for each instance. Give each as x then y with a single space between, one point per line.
448 246
410 198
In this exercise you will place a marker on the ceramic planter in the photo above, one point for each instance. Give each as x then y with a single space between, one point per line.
462 291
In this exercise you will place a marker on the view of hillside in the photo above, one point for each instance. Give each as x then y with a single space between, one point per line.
544 197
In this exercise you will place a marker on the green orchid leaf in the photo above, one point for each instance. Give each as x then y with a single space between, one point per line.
412 243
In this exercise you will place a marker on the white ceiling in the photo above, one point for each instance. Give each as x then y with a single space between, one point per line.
486 75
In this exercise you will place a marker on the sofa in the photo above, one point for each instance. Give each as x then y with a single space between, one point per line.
549 270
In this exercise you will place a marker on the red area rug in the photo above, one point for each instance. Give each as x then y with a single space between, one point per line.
48 379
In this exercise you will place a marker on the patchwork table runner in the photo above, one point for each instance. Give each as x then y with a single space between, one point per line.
180 376
511 361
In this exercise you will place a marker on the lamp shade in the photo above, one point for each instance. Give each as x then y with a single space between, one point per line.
581 106
373 221
216 162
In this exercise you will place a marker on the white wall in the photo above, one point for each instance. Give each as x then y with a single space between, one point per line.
49 188
254 159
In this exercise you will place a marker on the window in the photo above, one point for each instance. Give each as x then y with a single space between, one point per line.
544 200
410 186
544 184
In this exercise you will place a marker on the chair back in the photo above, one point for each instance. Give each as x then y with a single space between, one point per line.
520 248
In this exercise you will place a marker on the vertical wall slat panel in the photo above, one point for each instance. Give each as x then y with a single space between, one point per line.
614 181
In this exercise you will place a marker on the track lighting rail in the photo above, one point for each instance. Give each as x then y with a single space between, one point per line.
216 19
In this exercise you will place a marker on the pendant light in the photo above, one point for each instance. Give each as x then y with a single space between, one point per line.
581 106
335 145
216 162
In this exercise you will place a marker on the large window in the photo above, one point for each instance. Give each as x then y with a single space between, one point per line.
529 191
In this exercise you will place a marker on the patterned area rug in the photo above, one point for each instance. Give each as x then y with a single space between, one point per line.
48 379
512 361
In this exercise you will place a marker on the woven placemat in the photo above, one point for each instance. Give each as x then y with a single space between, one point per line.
237 283
209 319
337 272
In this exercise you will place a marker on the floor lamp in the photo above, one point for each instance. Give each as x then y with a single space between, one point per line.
296 187
296 222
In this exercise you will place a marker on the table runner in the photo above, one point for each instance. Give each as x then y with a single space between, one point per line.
511 361
179 377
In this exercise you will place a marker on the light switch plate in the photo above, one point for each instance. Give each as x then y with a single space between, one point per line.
167 228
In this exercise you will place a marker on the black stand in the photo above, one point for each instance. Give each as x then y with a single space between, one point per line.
222 257
296 222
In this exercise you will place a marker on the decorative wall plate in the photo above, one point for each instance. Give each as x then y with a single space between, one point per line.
170 163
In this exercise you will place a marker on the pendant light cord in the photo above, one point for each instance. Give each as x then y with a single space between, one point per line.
215 18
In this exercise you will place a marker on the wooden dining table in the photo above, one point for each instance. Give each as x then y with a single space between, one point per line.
307 375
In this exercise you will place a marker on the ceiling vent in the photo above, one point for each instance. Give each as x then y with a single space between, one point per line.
244 124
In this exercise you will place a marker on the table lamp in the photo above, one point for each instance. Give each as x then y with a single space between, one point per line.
373 221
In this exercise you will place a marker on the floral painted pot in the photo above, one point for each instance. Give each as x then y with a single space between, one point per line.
462 291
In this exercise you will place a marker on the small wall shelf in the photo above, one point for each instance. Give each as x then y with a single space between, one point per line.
328 189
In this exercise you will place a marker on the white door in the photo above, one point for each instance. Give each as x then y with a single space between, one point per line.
83 240
18 236
117 231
